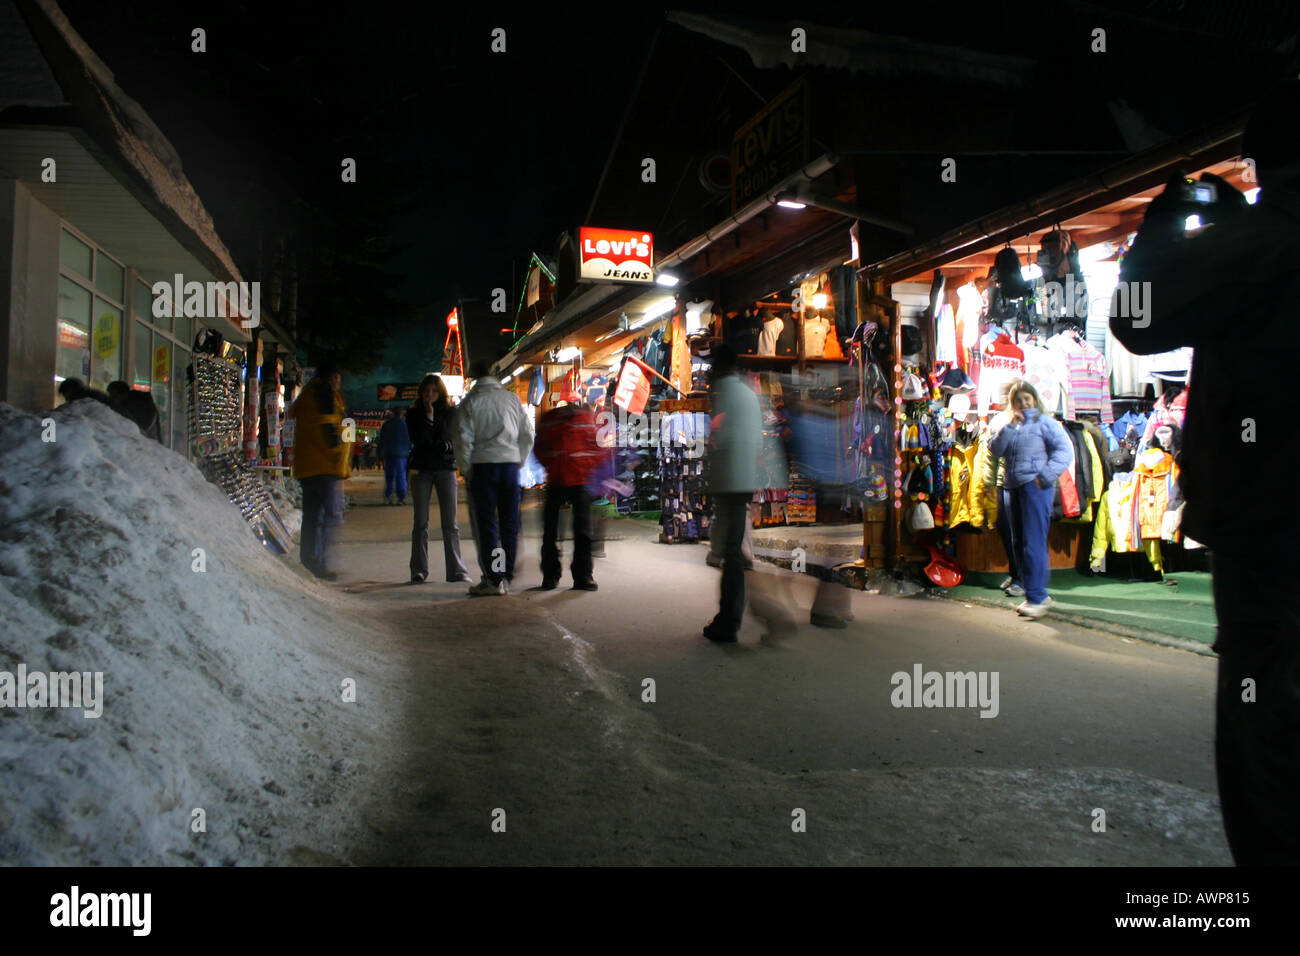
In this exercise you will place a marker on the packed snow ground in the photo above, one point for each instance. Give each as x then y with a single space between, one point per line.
223 693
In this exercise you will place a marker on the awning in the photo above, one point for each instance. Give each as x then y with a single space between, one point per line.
1197 150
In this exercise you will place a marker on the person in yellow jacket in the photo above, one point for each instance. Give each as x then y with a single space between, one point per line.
321 461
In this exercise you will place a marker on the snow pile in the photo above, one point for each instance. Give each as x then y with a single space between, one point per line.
222 665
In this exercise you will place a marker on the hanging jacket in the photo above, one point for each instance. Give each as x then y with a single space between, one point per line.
319 448
964 492
1156 476
1035 448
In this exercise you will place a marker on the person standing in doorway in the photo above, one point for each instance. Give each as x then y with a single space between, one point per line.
568 450
737 439
1036 450
493 439
320 463
429 422
394 449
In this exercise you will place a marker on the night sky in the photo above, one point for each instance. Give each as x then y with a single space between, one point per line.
469 160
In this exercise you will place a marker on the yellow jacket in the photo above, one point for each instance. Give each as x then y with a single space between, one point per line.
967 498
318 445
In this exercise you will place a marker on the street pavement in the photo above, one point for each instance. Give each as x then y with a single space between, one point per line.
546 708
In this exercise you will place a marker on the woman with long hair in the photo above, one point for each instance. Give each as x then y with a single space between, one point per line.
433 465
1035 450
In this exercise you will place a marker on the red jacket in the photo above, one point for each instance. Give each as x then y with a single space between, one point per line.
566 445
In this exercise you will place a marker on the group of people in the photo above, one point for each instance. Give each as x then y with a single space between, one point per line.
487 438
128 402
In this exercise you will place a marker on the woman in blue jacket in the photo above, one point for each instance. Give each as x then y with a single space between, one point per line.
1035 450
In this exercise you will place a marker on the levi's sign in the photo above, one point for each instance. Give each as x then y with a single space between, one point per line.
616 255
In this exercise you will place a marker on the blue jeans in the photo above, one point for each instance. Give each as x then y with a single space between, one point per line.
1031 519
395 474
322 515
1003 525
494 491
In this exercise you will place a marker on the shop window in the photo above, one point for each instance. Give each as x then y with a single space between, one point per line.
183 330
180 428
74 254
106 345
73 354
142 359
161 382
108 277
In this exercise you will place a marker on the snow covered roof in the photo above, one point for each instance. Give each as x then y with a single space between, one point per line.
116 129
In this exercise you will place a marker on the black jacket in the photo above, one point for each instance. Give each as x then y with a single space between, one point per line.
431 445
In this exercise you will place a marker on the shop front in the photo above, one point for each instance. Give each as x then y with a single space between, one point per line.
1032 299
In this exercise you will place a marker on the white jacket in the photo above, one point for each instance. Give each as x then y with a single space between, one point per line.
491 427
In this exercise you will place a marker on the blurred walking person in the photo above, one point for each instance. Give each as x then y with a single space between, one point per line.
567 448
430 423
320 463
737 439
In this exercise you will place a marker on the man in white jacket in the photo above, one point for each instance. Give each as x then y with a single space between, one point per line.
493 438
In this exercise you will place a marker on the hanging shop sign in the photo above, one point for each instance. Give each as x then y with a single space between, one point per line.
772 145
616 255
534 293
399 392
633 388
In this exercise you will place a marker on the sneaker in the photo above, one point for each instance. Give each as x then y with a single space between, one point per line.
460 579
549 584
418 577
1015 590
486 588
587 585
1007 583
1034 610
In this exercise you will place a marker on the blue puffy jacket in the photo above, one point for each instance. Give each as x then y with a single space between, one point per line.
394 439
1036 448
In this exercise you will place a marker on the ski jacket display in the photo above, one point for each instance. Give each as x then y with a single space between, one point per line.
319 448
491 427
566 445
394 440
737 433
1156 476
432 442
1036 448
1001 362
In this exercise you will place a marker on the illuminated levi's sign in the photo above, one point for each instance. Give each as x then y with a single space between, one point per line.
616 255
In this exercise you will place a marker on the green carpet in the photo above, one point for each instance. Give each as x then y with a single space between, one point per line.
1185 610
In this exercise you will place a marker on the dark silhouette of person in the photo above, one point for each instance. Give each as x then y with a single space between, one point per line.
1229 290
138 406
73 389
